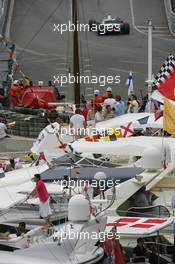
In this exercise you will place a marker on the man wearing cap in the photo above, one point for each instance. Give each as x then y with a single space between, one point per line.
14 92
107 93
97 99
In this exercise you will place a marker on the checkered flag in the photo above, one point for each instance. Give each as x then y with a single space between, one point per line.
167 68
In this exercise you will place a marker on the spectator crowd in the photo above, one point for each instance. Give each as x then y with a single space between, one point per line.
106 106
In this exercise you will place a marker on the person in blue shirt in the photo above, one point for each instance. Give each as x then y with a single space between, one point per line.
120 106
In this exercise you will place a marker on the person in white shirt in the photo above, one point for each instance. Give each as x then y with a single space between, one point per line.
99 115
78 124
110 101
3 130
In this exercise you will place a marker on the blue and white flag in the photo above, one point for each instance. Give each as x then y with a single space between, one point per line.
129 83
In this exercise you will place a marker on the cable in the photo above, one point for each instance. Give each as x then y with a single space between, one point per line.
28 9
24 15
40 28
5 47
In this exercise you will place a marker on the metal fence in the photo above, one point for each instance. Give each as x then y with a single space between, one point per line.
170 16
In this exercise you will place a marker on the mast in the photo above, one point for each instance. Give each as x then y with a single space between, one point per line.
150 81
76 66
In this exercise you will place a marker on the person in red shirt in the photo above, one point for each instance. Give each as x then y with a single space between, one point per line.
14 93
97 100
41 191
85 112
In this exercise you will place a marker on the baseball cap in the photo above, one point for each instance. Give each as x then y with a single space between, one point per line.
96 92
109 89
16 82
40 83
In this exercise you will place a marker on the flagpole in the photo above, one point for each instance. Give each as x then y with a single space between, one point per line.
149 81
76 66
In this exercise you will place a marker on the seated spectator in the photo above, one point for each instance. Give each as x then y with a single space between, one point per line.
139 252
108 113
21 229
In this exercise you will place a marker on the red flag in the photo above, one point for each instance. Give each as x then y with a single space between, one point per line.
118 253
158 114
63 146
165 79
85 189
167 88
113 248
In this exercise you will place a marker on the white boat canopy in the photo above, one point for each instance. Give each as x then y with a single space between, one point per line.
9 199
130 146
137 225
134 118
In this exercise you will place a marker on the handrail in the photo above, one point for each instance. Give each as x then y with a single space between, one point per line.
150 242
170 16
